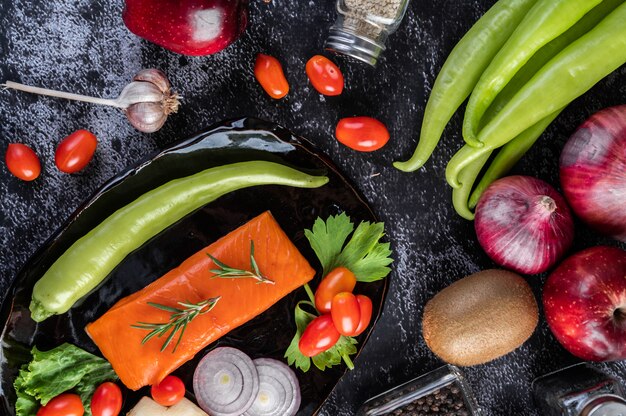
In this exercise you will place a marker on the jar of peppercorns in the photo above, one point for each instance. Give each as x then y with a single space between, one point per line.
443 391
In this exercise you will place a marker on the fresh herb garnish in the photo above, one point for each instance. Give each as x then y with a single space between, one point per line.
364 254
342 350
227 272
179 320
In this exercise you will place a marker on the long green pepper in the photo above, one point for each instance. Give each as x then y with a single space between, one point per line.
545 21
567 76
513 151
90 259
461 71
509 155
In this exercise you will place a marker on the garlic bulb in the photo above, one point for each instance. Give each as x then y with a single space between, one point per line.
146 101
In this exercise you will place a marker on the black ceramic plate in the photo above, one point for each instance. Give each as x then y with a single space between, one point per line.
269 334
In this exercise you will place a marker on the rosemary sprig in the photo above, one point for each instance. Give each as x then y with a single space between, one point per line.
178 322
227 272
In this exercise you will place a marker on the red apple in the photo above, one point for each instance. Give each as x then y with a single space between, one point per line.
189 27
585 304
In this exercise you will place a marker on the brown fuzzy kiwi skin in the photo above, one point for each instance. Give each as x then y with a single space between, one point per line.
480 317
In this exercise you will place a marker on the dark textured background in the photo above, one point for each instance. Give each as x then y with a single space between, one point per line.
83 46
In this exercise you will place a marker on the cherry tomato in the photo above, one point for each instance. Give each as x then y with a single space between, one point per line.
365 309
106 400
169 391
364 134
22 162
66 404
319 336
324 75
346 313
75 151
337 281
270 75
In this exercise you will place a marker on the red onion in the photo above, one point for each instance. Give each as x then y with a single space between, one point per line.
279 390
593 171
226 382
523 224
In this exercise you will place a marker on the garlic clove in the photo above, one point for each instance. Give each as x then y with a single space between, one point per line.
154 76
146 117
139 92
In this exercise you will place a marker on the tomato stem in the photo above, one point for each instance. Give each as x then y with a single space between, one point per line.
309 292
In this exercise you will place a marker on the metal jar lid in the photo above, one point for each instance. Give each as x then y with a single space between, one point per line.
605 405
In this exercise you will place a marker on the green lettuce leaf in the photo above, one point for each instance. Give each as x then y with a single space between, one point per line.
50 373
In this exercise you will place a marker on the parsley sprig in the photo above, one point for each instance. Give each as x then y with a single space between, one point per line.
363 254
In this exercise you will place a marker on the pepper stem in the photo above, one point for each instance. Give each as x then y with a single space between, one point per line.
61 94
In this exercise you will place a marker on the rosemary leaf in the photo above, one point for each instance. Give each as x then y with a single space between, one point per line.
226 272
179 319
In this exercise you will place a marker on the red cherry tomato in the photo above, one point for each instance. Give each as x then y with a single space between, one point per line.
346 313
22 162
364 134
75 151
169 391
337 281
325 76
106 400
365 309
319 336
66 404
270 75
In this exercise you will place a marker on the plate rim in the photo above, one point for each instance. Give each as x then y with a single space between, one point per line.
252 123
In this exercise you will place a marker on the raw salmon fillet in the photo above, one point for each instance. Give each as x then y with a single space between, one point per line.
140 365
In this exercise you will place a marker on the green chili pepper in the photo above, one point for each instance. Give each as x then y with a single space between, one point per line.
545 54
545 21
461 71
513 151
508 156
467 178
567 76
90 259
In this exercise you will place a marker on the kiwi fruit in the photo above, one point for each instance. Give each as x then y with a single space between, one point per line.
480 317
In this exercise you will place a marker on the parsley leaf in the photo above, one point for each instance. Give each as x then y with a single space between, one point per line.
364 254
293 354
327 238
345 347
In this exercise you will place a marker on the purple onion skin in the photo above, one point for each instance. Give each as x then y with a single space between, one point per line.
523 224
593 172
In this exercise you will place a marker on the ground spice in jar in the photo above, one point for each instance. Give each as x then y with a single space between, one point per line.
370 17
383 8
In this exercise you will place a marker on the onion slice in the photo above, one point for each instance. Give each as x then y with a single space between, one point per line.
225 382
279 390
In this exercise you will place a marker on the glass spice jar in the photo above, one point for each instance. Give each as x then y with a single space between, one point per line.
362 27
579 390
443 391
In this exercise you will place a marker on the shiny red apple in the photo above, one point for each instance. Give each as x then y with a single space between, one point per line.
585 304
188 27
